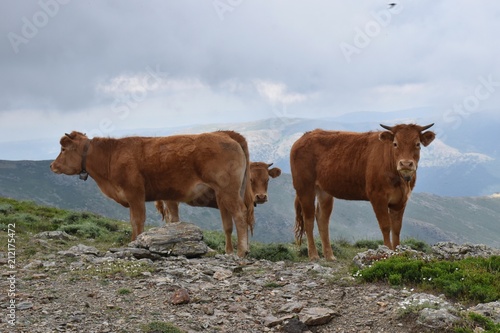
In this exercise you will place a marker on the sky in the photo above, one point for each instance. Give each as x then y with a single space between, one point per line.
107 67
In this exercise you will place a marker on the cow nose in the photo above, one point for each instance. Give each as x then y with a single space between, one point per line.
406 164
261 197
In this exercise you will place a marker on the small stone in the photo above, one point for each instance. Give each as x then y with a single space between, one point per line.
293 307
222 274
316 316
294 325
180 296
24 306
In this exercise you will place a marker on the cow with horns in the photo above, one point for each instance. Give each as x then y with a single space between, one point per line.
379 167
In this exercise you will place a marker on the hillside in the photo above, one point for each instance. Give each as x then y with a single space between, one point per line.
430 218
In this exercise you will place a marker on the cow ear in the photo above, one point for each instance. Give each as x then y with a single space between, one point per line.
427 137
274 172
66 141
386 136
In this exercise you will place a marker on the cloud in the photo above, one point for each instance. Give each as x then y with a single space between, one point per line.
142 83
277 93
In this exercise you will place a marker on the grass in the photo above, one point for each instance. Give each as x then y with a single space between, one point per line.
471 280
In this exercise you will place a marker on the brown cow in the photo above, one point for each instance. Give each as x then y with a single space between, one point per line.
259 179
376 166
133 170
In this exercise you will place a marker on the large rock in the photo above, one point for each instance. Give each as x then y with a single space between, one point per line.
60 235
450 251
176 239
489 310
367 258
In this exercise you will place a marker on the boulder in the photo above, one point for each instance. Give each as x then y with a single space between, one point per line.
60 235
173 239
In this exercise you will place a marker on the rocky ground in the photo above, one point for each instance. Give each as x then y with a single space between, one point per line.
83 290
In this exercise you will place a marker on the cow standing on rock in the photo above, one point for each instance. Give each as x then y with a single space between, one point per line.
259 179
376 166
134 170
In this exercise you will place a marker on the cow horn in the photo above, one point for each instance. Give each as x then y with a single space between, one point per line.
423 128
269 165
68 135
386 127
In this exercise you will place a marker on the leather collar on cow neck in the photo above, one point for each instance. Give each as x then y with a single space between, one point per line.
84 174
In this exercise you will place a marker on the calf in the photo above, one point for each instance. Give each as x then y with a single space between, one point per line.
259 179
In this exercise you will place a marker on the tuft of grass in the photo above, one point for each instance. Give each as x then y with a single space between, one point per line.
273 252
417 245
161 327
471 280
124 291
368 244
477 323
216 240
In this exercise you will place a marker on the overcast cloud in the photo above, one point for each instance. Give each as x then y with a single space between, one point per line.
104 66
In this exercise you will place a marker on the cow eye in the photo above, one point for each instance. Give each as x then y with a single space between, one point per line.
418 145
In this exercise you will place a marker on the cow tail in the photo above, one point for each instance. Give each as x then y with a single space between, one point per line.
160 207
246 186
299 222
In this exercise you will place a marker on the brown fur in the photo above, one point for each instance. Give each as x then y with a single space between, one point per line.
354 166
134 170
259 178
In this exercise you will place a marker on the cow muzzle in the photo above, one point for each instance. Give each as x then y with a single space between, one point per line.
54 168
407 169
260 198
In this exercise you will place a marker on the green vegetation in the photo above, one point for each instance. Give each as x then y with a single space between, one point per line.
124 291
475 320
161 327
114 269
471 280
26 218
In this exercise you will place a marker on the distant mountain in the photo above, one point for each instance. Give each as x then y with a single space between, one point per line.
429 217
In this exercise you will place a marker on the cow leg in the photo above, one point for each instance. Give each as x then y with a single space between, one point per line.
172 211
307 204
384 220
236 208
323 212
227 225
137 217
396 224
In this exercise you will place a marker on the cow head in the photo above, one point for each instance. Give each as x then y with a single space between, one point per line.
259 178
69 160
406 141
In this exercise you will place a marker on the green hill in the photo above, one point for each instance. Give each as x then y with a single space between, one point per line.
428 217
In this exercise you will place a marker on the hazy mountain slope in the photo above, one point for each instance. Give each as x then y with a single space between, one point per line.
429 217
